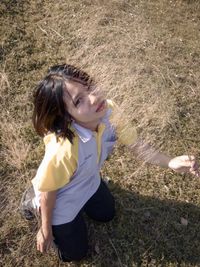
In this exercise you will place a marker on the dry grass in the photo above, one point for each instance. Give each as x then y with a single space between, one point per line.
146 56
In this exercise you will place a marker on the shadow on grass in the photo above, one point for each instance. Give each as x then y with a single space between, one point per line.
148 232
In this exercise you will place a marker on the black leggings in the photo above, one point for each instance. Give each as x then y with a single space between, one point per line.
71 238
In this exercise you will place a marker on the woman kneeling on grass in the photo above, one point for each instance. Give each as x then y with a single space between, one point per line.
74 119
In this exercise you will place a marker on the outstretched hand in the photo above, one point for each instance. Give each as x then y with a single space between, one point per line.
184 164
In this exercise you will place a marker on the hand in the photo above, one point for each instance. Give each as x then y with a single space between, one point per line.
44 240
184 164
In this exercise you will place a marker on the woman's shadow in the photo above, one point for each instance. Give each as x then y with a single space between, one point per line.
147 231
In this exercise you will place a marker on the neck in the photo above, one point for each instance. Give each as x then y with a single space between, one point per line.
93 126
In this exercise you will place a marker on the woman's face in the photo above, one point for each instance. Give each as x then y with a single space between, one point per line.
85 104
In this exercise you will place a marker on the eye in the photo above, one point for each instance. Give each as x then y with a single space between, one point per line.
77 102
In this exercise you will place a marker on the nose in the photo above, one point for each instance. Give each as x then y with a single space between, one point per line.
93 99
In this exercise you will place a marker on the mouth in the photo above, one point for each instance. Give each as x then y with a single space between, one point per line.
101 106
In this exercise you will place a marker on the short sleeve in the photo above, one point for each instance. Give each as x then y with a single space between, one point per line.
58 165
126 133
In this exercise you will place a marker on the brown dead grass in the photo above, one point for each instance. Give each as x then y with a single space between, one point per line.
146 56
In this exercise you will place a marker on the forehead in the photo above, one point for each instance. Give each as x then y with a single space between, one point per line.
74 88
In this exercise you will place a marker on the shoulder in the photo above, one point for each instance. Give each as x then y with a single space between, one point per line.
126 132
60 147
111 109
58 165
112 105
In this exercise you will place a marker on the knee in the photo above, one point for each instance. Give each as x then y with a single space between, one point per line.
105 215
108 216
76 256
109 213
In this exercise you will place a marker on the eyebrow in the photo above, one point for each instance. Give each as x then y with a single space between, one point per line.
78 95
73 99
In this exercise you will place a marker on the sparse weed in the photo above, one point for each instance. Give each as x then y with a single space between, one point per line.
145 55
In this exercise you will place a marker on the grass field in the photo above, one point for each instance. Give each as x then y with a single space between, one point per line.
146 55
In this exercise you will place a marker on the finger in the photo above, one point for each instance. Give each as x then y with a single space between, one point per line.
193 163
188 164
187 157
195 172
191 157
196 165
39 246
48 245
42 247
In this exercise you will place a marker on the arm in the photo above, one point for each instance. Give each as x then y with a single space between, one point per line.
149 154
45 236
127 133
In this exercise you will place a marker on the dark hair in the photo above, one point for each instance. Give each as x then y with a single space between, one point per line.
50 114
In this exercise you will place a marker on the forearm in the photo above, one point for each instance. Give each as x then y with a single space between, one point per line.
47 203
147 153
44 235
